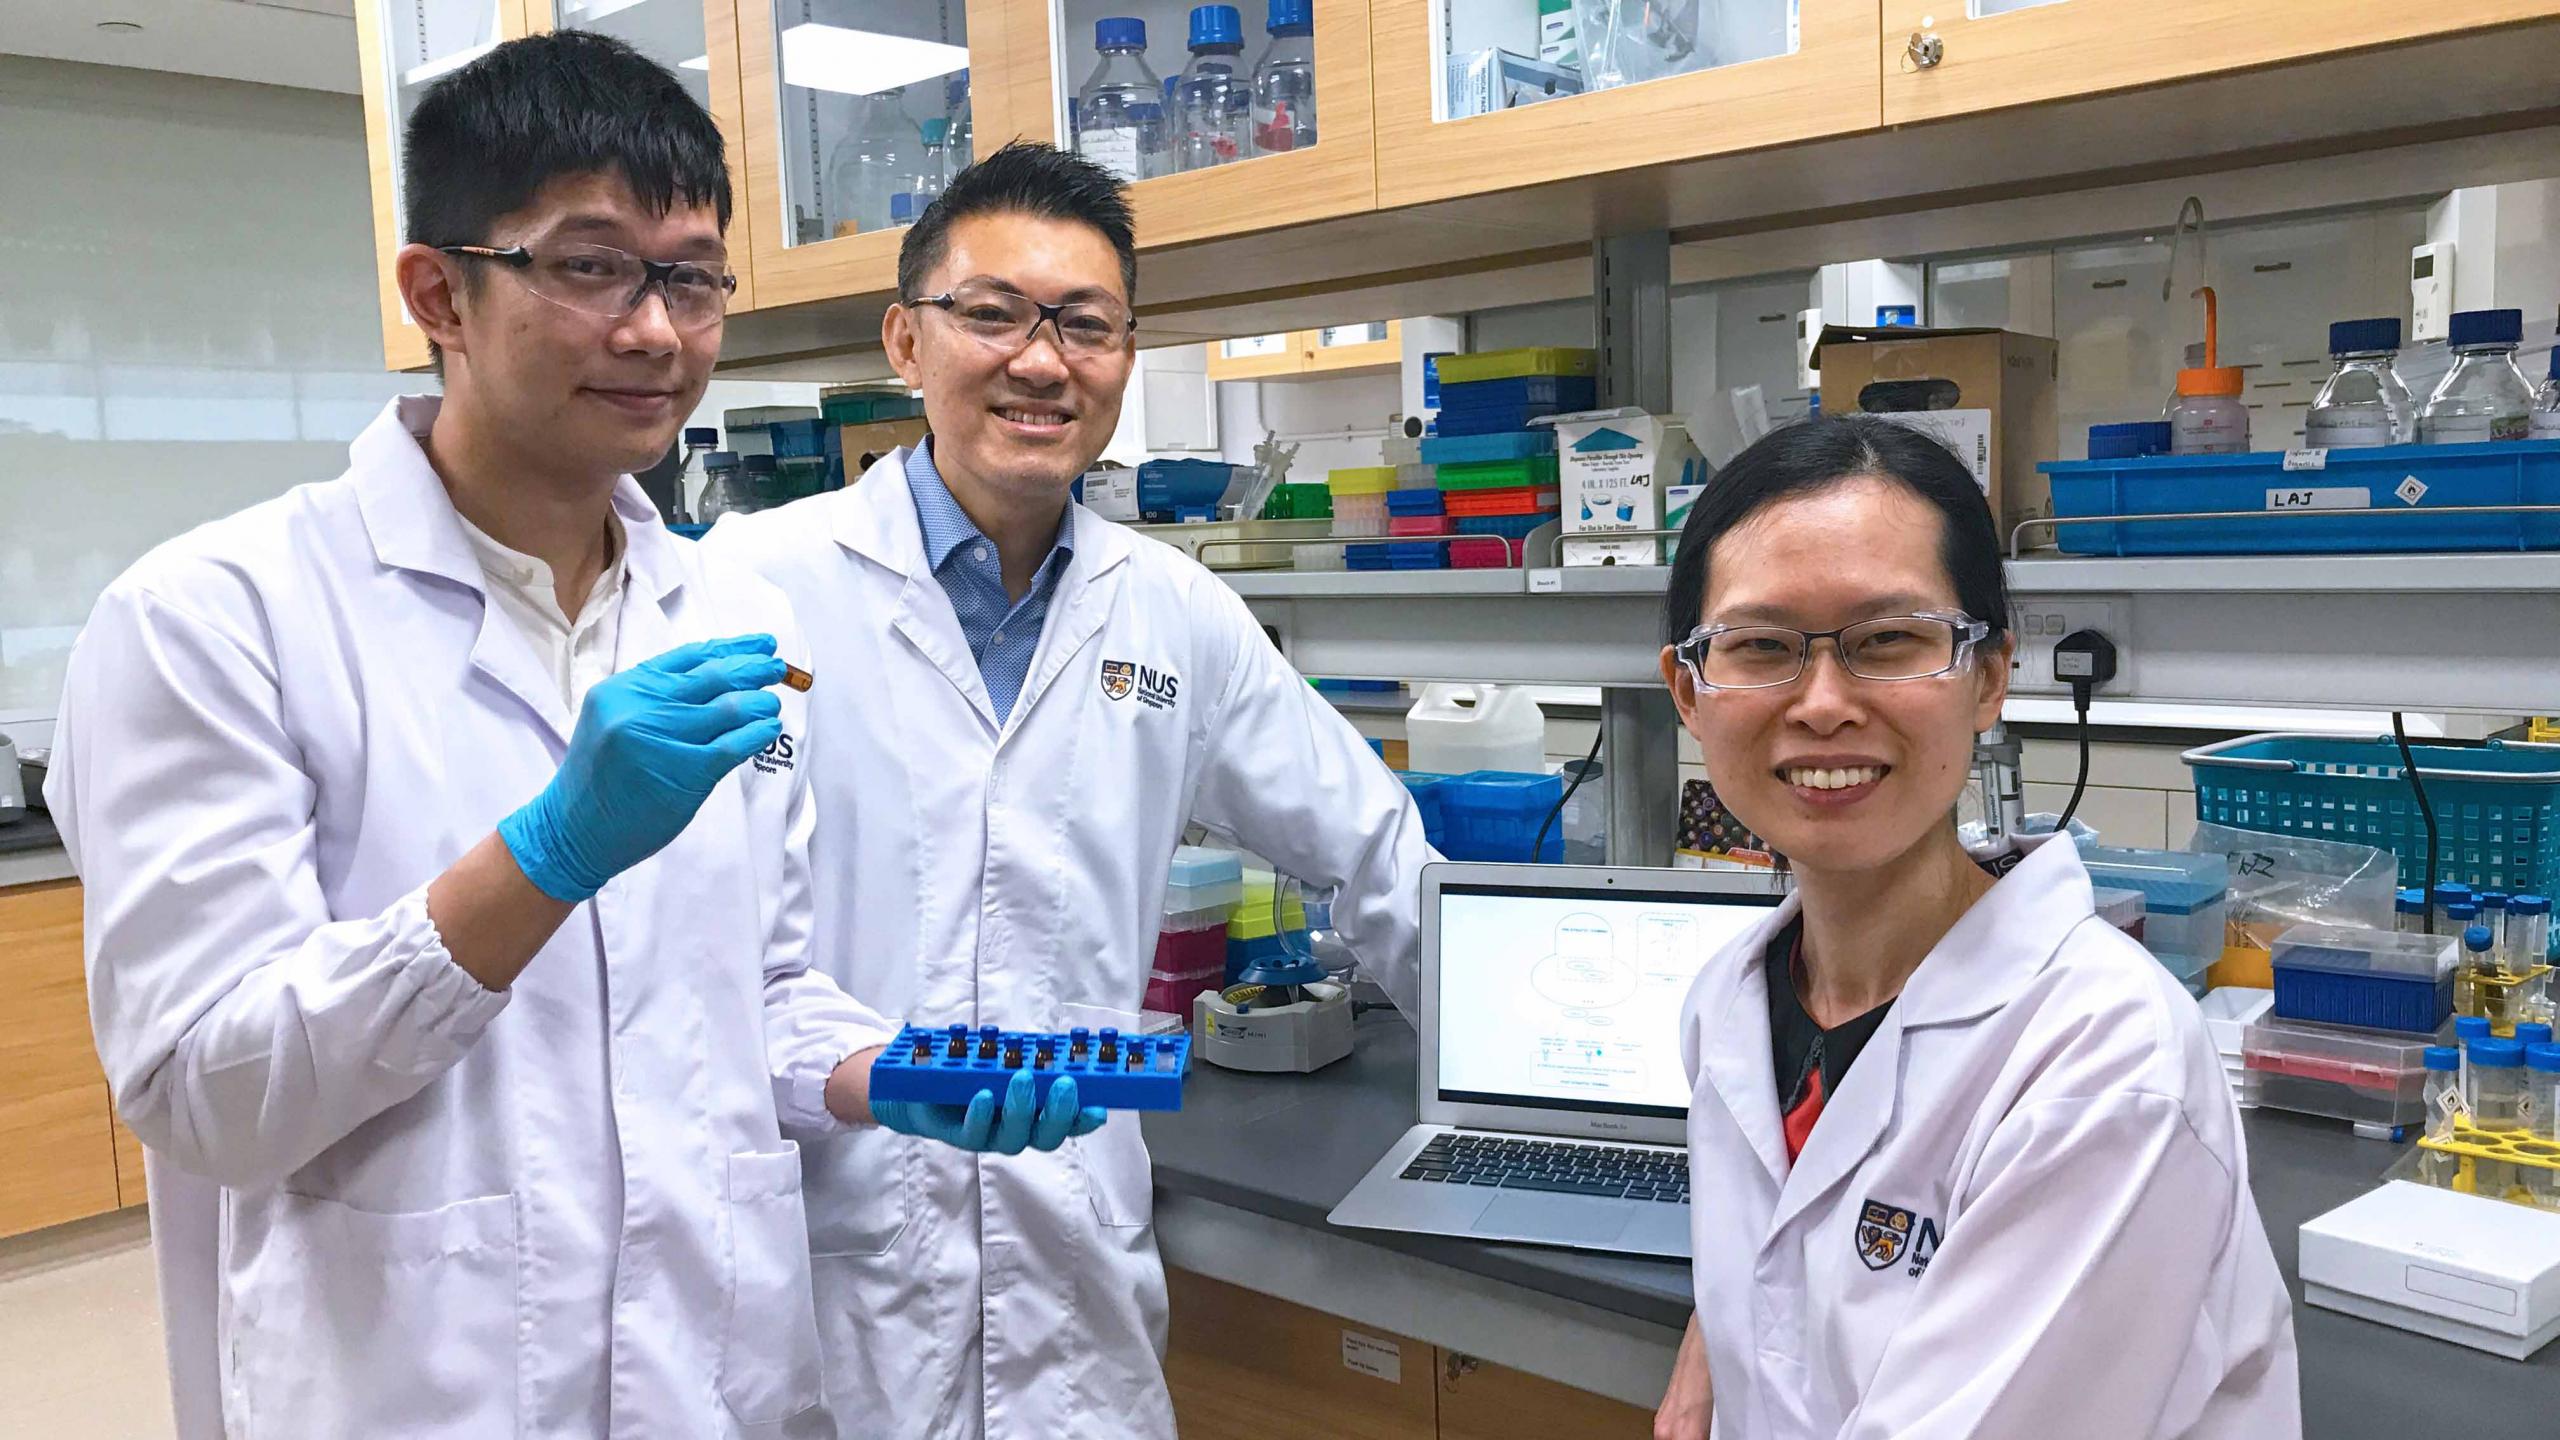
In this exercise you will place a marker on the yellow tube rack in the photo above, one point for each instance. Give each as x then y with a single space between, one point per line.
2515 1147
2502 1012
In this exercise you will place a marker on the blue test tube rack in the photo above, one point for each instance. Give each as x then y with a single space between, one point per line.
953 1064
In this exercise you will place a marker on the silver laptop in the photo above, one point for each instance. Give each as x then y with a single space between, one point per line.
1554 1103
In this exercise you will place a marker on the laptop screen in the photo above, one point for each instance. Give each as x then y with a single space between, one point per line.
1571 1001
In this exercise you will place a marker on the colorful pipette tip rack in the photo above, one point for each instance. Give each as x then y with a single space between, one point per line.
953 1064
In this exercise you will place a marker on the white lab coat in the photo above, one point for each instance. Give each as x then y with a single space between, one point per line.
1015 875
2026 1212
568 1209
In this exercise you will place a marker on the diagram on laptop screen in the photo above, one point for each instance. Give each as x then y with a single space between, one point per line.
1567 997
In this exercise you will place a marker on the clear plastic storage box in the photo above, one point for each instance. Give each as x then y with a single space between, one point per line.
2363 1076
2184 897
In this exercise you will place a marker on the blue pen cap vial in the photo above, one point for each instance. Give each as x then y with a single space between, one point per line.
2533 1032
2443 1057
2452 892
2481 327
2496 1054
2544 1057
2364 337
2529 905
2467 1028
2411 902
1221 27
2493 903
1119 32
2477 939
1293 17
2462 913
702 435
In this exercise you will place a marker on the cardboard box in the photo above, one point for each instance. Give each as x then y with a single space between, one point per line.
866 443
1988 393
1112 493
1489 80
1614 467
2465 1268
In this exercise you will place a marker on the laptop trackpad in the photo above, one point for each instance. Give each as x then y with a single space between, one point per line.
1555 1219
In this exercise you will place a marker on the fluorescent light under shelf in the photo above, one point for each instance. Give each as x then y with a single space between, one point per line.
698 62
862 62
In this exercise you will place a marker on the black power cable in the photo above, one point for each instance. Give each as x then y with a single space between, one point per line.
2426 812
2084 660
1591 757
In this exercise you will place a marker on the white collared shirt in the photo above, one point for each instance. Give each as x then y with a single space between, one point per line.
579 652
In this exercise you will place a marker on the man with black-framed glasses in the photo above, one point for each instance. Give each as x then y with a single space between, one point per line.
1039 703
444 830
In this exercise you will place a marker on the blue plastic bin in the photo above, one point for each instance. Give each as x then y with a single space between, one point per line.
1144 1072
1483 449
1495 814
2372 979
1169 487
1417 502
2352 484
1558 392
2497 805
802 439
1509 527
1397 555
1426 799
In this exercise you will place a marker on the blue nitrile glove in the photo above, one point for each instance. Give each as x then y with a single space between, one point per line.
1023 1122
650 744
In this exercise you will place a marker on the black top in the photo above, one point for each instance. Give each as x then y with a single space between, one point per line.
1810 1060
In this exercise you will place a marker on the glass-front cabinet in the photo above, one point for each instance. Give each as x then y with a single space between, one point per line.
1485 95
1226 118
1954 57
406 45
857 113
698 41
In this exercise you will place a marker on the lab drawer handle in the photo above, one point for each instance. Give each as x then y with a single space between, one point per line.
1923 51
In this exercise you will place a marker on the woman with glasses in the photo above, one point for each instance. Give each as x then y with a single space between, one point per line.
1964 1159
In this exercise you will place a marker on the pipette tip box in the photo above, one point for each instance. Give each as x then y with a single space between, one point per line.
2475 1271
1114 1069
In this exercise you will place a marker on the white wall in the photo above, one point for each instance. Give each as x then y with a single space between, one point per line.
188 327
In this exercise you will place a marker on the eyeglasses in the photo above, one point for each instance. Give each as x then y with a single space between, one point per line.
1005 322
600 280
1890 647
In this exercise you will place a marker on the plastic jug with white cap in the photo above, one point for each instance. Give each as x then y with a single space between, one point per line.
1454 729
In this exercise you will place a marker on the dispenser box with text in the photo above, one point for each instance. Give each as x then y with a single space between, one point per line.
864 444
1988 394
1614 468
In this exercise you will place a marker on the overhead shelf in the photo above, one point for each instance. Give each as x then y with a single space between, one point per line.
2472 633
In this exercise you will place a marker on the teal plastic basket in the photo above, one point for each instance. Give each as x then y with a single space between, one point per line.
2497 805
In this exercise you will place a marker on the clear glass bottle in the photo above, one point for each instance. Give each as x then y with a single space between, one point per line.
2544 422
2364 403
1284 81
723 488
873 161
2410 912
933 167
1155 137
2497 1085
699 441
1109 129
2484 396
960 134
760 481
1215 117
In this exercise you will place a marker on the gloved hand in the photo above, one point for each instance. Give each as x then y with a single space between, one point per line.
1023 1121
650 744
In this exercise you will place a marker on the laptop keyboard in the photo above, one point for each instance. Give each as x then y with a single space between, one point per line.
1517 1163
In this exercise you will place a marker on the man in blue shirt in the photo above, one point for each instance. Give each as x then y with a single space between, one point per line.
1034 705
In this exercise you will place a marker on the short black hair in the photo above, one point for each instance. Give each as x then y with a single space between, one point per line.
1816 454
1024 178
485 139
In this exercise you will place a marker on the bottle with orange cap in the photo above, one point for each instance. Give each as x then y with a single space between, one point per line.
2207 418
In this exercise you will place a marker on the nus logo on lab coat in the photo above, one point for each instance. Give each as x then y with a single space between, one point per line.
777 757
1155 689
1887 1233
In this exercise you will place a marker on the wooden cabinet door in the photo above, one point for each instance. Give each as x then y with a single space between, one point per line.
1052 55
1996 53
57 1155
698 40
401 47
1825 84
1244 1366
1481 1401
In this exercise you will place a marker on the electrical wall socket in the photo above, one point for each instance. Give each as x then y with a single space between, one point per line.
2041 623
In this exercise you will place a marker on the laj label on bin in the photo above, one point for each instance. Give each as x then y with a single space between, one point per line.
2320 497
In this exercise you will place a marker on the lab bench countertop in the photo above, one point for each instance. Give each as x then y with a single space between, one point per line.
32 830
1291 1146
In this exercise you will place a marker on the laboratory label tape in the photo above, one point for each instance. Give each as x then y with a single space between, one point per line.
952 1065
